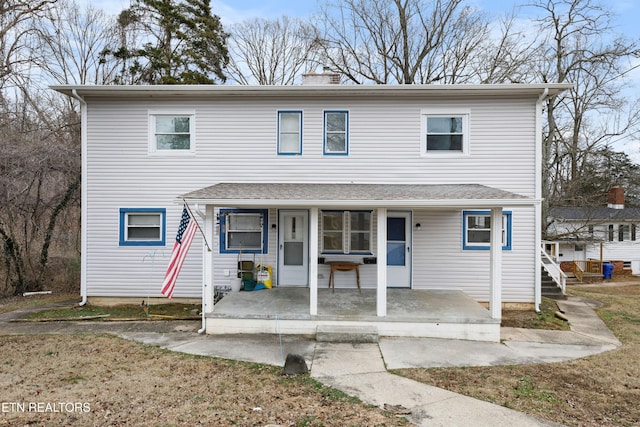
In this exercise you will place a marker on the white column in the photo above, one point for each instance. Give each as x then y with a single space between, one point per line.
207 292
495 303
381 290
313 261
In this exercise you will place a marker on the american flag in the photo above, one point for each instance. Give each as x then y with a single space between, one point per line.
186 231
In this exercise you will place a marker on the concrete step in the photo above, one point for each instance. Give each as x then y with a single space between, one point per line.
346 334
555 296
553 292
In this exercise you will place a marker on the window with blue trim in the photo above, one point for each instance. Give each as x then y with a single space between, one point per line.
346 232
476 232
243 230
290 132
142 226
336 132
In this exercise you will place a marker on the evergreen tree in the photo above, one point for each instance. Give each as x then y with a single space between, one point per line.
170 42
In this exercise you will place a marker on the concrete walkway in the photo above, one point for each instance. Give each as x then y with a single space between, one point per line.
361 369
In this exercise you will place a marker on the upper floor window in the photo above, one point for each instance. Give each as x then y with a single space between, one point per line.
477 230
445 132
336 132
142 227
626 232
171 133
290 132
346 232
243 230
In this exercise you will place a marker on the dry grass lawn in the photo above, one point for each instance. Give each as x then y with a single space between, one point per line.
100 380
601 390
113 382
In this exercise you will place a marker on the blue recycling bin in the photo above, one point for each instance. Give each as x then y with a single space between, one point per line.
607 270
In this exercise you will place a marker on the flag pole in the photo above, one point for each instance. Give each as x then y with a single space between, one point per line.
204 237
197 225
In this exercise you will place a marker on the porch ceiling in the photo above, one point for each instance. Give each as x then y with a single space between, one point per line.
355 195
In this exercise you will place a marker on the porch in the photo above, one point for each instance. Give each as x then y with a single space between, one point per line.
410 313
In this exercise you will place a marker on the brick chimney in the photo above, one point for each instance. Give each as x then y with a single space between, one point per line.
327 77
615 199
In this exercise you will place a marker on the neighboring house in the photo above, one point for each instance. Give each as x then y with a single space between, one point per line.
405 180
610 234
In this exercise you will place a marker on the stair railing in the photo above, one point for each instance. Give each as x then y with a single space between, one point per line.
587 266
554 271
578 270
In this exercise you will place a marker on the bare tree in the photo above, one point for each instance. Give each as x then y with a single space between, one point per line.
416 41
271 52
71 38
578 46
506 55
16 17
39 183
40 142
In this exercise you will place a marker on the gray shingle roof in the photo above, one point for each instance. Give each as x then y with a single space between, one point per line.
595 213
382 195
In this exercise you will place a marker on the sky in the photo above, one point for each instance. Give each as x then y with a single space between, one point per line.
232 11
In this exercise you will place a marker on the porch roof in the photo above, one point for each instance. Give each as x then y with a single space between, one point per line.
355 195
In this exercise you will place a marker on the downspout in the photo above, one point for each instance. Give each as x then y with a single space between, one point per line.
203 320
538 196
83 197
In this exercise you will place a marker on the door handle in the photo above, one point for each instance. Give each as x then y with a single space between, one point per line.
408 249
281 246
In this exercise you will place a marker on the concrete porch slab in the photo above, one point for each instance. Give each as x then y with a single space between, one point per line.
410 313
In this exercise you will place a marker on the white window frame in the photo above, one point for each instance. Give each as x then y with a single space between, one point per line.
153 144
427 113
346 233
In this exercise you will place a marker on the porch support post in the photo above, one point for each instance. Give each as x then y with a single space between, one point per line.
495 304
381 287
313 261
207 291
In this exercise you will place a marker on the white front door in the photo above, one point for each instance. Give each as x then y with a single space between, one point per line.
293 248
399 249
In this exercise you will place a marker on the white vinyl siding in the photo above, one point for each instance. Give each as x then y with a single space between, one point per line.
384 145
446 265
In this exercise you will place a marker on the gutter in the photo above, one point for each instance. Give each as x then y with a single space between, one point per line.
83 198
538 207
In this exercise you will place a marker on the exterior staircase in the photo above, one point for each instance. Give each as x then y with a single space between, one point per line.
550 289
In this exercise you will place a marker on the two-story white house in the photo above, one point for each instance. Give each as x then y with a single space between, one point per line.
425 188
